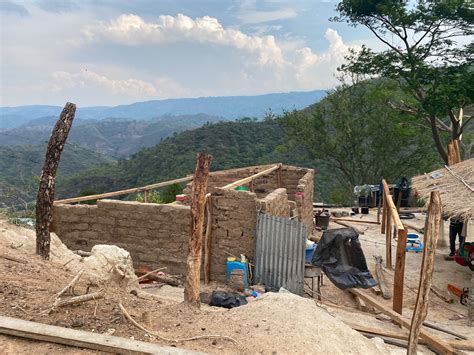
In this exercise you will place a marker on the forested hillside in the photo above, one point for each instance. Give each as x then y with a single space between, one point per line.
20 168
115 137
233 144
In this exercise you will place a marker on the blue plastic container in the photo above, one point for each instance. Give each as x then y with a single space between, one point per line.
238 265
309 253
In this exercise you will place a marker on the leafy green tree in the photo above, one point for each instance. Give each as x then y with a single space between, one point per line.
424 52
169 193
358 138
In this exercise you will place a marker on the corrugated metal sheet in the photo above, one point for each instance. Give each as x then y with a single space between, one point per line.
280 253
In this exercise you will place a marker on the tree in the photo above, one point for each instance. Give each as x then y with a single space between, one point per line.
424 53
357 137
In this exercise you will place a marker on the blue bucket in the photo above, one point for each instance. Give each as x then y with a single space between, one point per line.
309 253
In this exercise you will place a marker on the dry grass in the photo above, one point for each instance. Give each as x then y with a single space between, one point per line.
457 196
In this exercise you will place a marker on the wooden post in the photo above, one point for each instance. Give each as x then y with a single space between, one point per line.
399 277
388 239
208 241
386 293
145 195
193 264
251 186
279 183
384 215
45 197
426 272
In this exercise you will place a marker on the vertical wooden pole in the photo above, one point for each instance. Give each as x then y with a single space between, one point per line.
279 183
45 196
145 195
384 215
251 186
388 240
193 265
208 241
399 277
426 272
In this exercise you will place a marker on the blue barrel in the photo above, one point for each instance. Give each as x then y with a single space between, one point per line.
309 253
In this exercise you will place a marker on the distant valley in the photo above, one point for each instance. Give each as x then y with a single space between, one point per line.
227 107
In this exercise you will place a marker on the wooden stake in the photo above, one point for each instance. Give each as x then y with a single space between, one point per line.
399 277
193 265
386 293
45 197
426 272
208 241
388 239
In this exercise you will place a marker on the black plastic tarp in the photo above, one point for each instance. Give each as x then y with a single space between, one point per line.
340 256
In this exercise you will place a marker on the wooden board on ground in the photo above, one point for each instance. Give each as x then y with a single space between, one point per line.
403 335
432 341
79 338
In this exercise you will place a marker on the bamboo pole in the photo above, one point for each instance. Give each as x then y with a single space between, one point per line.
193 264
45 196
426 272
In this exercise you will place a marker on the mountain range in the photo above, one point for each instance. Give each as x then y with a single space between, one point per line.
226 107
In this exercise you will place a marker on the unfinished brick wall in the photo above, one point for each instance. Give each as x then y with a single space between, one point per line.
234 219
276 203
155 235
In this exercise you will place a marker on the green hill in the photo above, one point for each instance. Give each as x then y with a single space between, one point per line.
21 166
233 144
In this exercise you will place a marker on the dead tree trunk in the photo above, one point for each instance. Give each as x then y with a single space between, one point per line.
426 272
45 197
193 265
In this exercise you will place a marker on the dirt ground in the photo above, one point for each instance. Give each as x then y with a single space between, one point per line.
274 323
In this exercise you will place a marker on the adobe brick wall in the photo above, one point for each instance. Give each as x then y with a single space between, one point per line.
155 235
276 203
304 199
234 220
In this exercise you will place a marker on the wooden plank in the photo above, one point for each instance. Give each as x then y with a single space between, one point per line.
391 206
426 271
79 338
388 239
384 216
279 180
123 192
353 220
386 293
399 276
402 335
198 203
252 177
442 295
433 341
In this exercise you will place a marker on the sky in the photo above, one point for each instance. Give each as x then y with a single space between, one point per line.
112 52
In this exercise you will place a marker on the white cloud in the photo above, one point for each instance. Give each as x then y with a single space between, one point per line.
89 79
64 81
248 13
133 30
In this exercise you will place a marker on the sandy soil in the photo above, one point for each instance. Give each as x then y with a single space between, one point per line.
282 323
